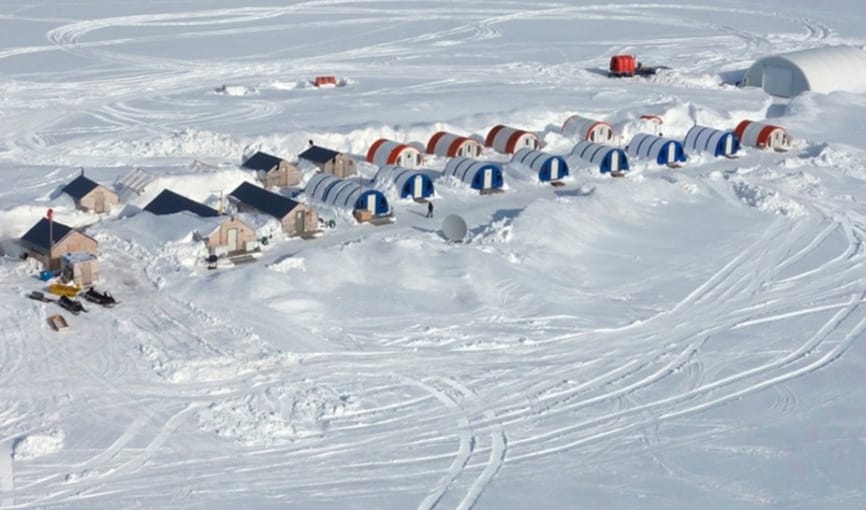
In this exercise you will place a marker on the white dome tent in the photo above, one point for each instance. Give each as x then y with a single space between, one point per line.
390 152
588 129
826 69
715 141
483 176
331 190
763 135
612 160
548 167
410 183
664 151
508 140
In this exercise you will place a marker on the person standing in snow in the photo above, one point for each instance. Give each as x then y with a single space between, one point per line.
429 209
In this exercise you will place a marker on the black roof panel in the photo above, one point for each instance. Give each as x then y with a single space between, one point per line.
318 154
265 201
261 161
38 235
79 187
169 202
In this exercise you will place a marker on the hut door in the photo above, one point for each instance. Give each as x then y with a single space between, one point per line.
299 223
418 187
371 203
614 161
729 145
554 169
672 153
86 274
778 140
488 179
100 202
233 239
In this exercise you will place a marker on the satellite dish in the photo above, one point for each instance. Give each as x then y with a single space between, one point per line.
454 228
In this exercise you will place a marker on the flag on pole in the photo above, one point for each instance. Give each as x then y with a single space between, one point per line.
50 214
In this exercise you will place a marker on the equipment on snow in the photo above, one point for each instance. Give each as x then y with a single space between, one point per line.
57 322
73 305
38 296
627 66
101 298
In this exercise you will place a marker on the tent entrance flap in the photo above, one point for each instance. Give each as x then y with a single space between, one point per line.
418 190
779 81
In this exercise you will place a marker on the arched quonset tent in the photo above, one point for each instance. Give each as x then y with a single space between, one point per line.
707 139
663 150
763 135
452 146
609 159
549 167
409 183
331 190
389 152
480 175
826 69
590 130
508 140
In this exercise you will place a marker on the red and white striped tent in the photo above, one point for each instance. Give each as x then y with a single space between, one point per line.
388 152
587 129
508 140
450 145
763 135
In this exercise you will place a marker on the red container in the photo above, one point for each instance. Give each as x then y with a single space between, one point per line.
623 65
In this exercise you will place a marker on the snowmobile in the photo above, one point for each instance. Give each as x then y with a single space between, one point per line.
73 305
101 298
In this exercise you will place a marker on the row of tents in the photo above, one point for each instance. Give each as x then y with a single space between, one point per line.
399 163
509 140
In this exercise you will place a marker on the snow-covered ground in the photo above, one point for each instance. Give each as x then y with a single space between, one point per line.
687 338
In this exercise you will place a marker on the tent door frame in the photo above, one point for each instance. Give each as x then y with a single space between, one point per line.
232 239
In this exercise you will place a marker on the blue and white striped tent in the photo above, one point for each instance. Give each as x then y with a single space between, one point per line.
548 166
409 183
664 151
609 159
707 139
331 190
480 175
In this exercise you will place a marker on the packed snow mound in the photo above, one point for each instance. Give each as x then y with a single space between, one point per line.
824 155
277 415
288 265
176 146
38 445
289 85
236 90
766 199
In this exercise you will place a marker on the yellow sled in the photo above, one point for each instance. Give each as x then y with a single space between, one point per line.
63 290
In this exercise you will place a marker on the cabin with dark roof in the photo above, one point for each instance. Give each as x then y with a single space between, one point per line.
169 202
295 218
48 241
273 172
224 233
91 196
329 161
